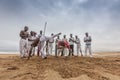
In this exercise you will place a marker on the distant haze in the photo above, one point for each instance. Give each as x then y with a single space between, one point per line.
100 18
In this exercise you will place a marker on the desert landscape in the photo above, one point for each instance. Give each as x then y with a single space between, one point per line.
103 66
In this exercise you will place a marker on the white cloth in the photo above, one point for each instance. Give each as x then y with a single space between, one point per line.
71 41
43 40
30 42
50 48
50 45
23 47
78 46
88 47
66 51
87 40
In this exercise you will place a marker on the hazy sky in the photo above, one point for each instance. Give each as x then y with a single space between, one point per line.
101 18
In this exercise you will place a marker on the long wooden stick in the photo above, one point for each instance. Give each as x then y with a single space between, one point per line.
45 27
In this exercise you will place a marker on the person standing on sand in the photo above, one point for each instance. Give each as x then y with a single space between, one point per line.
38 51
88 40
50 45
31 39
71 42
77 41
56 45
23 42
64 40
43 40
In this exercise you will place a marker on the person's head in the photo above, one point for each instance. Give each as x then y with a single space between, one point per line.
76 36
40 31
70 35
31 33
26 28
64 36
86 34
52 34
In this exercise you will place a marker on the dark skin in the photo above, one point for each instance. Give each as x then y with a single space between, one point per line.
32 34
58 38
23 33
70 37
64 36
87 36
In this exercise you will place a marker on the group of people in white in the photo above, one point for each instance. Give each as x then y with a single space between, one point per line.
63 47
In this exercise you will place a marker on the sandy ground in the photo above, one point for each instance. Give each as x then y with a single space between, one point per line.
103 66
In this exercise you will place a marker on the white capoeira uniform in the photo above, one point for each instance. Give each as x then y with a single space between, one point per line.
65 50
43 40
56 47
23 47
88 45
50 46
32 38
78 46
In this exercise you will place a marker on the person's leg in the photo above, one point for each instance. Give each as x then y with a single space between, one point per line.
51 49
43 52
65 52
21 45
56 50
90 51
26 48
77 49
72 50
85 50
81 51
38 50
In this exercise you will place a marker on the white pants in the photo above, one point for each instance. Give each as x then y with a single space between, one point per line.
78 49
50 48
66 51
59 52
23 47
43 49
88 48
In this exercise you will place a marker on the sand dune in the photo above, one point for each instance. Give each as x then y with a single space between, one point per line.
104 66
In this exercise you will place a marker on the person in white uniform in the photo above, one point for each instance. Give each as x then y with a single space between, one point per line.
42 40
88 40
64 52
50 45
38 51
31 39
56 45
24 42
78 45
71 42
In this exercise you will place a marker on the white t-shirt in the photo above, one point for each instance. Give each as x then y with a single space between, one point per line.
71 41
51 40
87 39
77 41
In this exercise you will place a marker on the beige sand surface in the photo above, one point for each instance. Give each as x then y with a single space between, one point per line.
103 66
